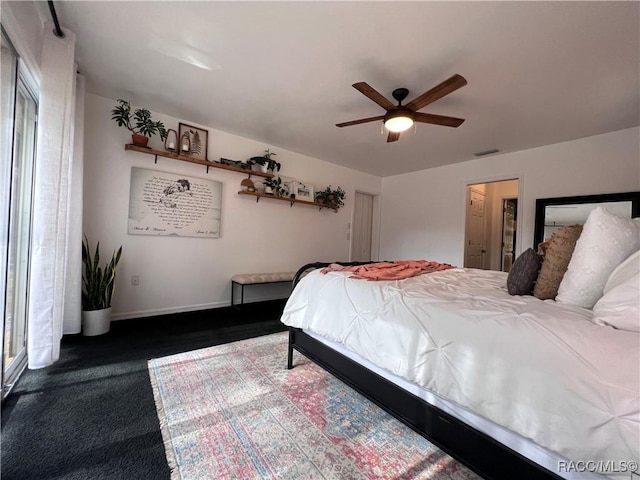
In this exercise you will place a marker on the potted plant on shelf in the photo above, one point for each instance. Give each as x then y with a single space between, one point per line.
274 186
330 198
266 163
97 289
142 128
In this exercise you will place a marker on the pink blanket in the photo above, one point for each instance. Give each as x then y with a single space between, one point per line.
390 270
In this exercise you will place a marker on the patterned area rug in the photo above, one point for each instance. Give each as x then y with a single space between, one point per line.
235 412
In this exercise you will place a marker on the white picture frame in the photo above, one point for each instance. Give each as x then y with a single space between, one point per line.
167 204
304 191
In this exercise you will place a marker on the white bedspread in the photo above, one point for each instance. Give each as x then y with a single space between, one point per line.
539 368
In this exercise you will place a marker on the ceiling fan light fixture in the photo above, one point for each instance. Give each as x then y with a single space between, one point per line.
398 123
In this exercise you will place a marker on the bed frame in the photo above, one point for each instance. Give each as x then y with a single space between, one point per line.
481 453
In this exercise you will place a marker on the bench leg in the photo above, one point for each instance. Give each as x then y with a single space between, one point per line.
233 287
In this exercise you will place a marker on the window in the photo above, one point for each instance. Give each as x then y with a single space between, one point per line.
18 130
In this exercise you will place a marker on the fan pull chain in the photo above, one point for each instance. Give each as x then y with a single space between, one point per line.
382 128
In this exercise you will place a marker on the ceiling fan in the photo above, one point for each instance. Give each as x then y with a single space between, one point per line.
400 118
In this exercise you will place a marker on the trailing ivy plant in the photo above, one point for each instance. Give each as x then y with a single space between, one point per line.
266 159
139 123
97 282
331 198
276 185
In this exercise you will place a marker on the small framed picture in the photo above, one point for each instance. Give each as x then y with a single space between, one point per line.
197 145
303 191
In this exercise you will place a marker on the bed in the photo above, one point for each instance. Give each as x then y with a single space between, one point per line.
512 386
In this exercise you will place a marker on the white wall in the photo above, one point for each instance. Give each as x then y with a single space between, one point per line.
423 212
24 28
181 273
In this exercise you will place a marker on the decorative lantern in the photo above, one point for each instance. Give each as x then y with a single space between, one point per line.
171 141
185 144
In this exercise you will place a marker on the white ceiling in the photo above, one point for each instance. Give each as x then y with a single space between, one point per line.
281 72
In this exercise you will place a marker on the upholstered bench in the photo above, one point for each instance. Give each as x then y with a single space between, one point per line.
256 279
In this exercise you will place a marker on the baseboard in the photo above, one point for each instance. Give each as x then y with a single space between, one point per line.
167 311
186 308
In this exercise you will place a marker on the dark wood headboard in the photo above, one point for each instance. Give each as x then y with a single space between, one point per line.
543 203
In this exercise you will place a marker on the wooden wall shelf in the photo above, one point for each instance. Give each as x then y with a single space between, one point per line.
184 158
282 199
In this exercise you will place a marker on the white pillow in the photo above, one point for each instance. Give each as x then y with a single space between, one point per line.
620 304
606 240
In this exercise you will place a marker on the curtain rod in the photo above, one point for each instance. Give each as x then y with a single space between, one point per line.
57 31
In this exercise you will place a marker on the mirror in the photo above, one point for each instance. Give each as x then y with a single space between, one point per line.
553 213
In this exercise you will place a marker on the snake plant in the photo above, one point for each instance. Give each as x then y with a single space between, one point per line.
97 282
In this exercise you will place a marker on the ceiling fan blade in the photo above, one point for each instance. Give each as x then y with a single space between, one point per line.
393 137
445 88
368 91
358 122
437 119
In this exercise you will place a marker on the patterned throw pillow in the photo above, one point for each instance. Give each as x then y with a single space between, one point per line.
556 260
523 273
606 241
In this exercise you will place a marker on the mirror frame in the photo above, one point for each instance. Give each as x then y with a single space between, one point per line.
543 203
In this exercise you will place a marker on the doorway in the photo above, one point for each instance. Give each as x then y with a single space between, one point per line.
475 246
509 233
490 238
362 232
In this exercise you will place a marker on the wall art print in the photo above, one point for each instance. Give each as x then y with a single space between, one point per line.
164 204
303 191
199 141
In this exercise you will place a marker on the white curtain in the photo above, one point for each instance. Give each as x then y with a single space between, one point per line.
57 227
73 281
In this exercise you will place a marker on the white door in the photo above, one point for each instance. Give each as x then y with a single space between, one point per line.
362 228
474 248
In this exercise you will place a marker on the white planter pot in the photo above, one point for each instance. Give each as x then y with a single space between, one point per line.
259 168
96 322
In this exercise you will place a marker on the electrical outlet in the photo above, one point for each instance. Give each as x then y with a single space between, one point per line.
135 280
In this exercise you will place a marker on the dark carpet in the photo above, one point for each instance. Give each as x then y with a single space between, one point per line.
91 415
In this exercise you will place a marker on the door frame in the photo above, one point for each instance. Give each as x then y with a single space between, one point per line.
463 207
27 77
503 199
375 224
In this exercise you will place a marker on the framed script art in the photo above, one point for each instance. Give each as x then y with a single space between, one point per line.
168 204
197 147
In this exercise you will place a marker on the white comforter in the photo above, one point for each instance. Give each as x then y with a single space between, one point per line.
541 369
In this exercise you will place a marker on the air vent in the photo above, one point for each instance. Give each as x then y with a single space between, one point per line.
486 152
